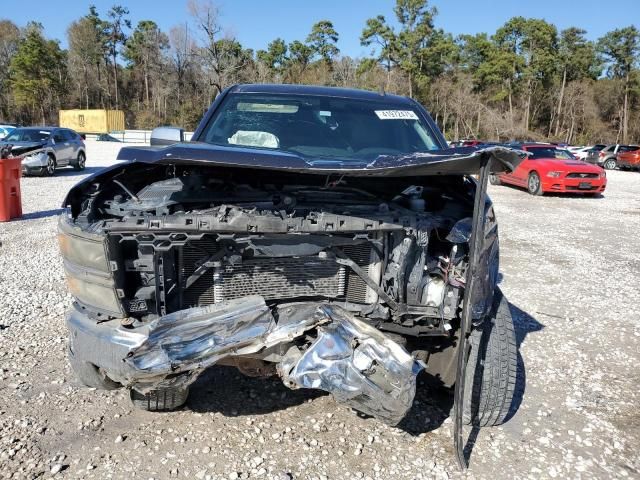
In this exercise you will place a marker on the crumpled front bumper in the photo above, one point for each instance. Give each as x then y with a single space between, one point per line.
346 357
105 344
34 162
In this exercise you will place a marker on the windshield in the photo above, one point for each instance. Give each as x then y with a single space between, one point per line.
28 135
549 152
319 127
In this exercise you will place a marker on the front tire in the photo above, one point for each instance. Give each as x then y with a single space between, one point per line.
494 179
162 400
80 162
534 185
610 164
49 169
492 367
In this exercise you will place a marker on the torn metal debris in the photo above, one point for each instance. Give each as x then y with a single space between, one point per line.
358 365
353 361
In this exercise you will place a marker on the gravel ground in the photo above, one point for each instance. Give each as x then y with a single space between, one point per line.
570 270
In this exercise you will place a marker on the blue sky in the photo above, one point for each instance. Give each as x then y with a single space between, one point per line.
256 22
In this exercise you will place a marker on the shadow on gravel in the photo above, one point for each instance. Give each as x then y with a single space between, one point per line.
223 389
41 214
586 196
431 407
592 196
523 325
226 390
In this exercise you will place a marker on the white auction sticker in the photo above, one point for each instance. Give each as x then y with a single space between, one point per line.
396 115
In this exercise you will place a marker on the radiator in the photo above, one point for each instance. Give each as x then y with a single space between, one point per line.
284 278
280 278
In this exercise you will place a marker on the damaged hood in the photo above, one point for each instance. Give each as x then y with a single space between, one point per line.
20 148
452 161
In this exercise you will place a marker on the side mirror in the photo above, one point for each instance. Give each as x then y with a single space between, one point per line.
166 136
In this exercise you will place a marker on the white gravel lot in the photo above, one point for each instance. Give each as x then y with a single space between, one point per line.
571 270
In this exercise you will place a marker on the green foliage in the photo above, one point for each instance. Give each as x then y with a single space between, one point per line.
380 35
9 40
416 48
144 51
533 44
323 39
578 55
86 41
114 28
300 53
36 70
275 57
145 45
442 54
416 28
621 50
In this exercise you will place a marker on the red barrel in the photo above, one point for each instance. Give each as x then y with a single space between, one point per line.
10 199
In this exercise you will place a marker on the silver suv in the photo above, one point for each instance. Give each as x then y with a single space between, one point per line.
46 148
607 156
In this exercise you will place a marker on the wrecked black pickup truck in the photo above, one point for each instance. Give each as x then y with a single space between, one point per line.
327 236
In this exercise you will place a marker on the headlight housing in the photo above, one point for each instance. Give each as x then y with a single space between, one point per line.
85 250
94 291
555 174
87 267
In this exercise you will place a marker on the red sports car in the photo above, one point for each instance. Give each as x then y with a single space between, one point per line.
549 169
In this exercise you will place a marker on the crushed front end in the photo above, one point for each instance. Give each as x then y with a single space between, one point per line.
347 283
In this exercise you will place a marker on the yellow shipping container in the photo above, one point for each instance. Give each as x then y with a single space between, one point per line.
92 121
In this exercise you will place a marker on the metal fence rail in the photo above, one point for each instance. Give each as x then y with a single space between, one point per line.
134 136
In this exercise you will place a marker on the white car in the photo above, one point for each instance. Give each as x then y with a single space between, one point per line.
582 152
5 130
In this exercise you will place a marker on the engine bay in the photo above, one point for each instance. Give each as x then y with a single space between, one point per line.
351 281
180 238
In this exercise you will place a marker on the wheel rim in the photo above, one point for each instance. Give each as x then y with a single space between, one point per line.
51 166
610 165
534 183
81 161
